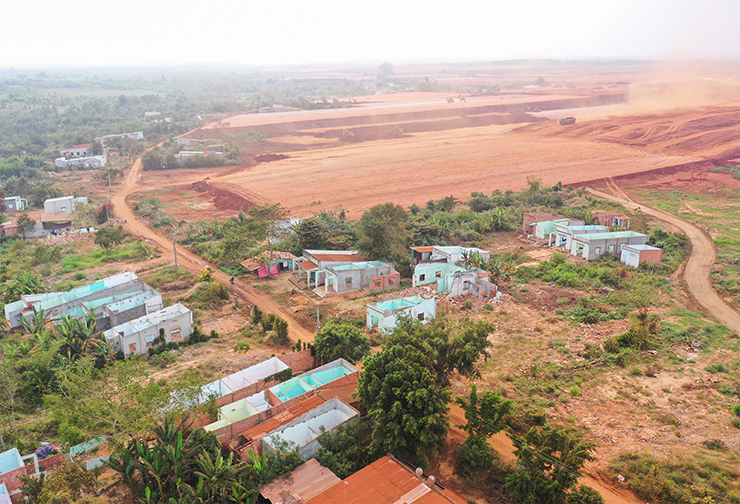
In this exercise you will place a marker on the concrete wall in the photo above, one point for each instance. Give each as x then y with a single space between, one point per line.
564 236
137 342
593 249
229 432
297 361
635 257
387 320
60 206
304 431
364 277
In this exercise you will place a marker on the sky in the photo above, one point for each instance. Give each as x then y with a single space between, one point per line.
87 33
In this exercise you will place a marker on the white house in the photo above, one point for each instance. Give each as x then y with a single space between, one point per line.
60 206
15 204
82 150
89 162
384 315
138 335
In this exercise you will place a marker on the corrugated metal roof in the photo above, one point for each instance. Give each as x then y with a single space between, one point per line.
385 481
340 257
305 482
308 265
423 250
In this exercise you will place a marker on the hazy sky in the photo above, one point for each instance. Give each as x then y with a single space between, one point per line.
247 32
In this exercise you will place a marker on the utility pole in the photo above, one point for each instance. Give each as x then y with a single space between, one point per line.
318 318
174 245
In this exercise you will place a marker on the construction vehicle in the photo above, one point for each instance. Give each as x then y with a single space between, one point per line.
567 120
450 100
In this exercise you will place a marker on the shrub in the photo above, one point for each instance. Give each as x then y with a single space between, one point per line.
584 495
210 295
736 410
241 346
474 456
467 305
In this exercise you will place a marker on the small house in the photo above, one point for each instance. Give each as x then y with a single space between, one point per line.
313 263
593 246
611 219
277 262
453 279
60 206
544 230
634 255
138 335
384 315
563 235
370 275
81 150
15 204
87 162
530 220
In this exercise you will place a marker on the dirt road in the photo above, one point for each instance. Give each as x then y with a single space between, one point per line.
188 260
505 448
698 268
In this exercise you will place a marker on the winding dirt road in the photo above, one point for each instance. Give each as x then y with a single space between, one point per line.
188 260
698 268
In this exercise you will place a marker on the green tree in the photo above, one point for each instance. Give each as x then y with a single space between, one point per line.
549 461
340 340
343 450
69 482
383 232
484 415
401 392
385 70
451 346
25 224
25 283
109 236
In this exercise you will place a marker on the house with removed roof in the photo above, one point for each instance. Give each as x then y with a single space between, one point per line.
137 336
243 414
593 246
304 482
453 279
12 466
544 230
303 432
384 315
81 150
15 203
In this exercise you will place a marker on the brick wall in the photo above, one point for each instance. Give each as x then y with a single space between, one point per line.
52 462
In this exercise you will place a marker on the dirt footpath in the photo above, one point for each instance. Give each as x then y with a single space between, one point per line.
192 262
699 266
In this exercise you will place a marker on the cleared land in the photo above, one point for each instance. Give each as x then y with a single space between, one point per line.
412 147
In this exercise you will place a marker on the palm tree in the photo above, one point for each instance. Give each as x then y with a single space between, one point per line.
37 323
78 338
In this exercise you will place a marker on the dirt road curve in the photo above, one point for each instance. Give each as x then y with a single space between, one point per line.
503 445
699 266
190 261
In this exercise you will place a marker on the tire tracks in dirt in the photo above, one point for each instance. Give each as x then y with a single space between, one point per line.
192 262
698 270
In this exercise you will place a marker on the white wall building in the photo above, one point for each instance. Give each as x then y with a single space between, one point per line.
60 206
138 335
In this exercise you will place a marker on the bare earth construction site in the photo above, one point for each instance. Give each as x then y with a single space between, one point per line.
410 147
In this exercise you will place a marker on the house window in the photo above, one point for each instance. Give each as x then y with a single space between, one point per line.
597 251
348 281
391 281
438 274
611 248
621 246
175 334
421 316
377 283
149 341
422 277
132 348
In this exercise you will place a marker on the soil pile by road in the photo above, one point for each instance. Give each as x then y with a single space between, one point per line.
266 158
223 199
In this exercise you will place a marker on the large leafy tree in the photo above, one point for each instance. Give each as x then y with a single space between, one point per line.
383 232
451 346
340 340
25 224
549 461
401 392
343 450
109 236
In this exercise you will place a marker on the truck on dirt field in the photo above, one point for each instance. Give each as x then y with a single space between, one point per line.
567 120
